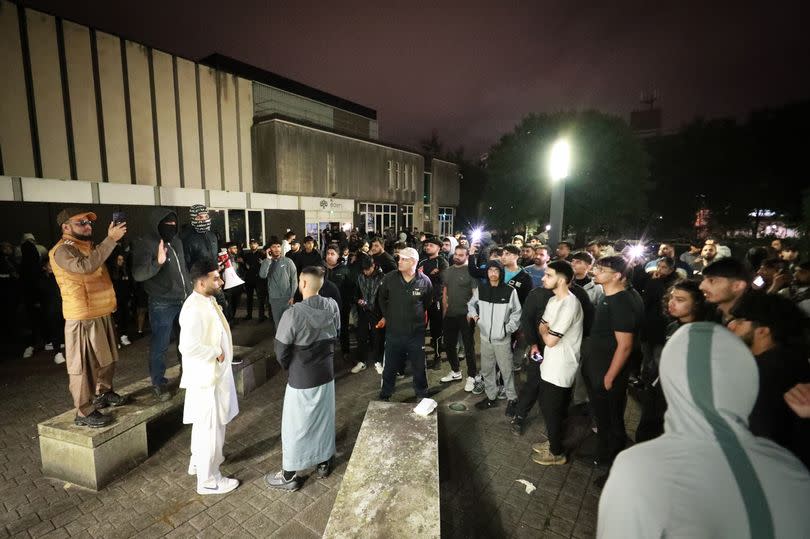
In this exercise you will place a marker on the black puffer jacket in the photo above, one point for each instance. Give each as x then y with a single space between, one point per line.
168 282
198 246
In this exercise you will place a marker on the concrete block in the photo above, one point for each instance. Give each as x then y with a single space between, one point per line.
391 486
251 372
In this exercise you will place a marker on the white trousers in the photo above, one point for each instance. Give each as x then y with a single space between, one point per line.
207 439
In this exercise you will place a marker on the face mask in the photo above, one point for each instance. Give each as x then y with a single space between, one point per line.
167 231
201 226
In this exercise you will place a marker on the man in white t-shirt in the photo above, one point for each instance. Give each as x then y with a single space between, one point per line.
561 331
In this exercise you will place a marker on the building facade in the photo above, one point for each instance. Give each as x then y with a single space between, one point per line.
87 117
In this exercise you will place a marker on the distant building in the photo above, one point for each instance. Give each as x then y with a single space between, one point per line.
91 118
647 121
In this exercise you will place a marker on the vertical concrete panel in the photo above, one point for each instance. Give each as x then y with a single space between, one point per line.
50 107
140 99
111 81
15 126
189 126
210 128
230 144
82 102
245 89
166 119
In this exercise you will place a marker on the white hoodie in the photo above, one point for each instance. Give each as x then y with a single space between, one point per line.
707 475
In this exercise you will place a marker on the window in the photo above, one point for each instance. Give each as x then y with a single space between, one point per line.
427 188
428 221
378 217
237 225
446 217
396 175
407 216
390 170
331 178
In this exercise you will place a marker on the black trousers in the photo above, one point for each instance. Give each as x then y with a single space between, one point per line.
261 297
370 340
653 408
607 407
401 348
249 288
233 295
435 323
530 391
452 326
121 315
344 327
554 402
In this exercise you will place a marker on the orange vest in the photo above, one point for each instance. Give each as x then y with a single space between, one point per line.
84 295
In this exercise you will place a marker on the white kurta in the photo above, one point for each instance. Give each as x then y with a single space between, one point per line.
210 401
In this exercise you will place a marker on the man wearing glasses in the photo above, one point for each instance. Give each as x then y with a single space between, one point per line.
613 340
88 300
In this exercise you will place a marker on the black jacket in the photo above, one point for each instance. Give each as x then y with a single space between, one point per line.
169 282
304 259
521 282
535 306
341 277
385 262
403 304
252 262
197 246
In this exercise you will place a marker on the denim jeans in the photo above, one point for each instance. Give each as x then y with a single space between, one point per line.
163 319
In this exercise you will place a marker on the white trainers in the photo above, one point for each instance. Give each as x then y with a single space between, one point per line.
452 376
28 352
59 358
223 486
125 340
49 346
470 384
379 368
360 367
192 469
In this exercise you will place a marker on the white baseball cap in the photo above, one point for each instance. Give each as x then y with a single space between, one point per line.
409 252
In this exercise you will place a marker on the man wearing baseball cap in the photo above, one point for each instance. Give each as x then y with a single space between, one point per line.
433 266
403 297
88 300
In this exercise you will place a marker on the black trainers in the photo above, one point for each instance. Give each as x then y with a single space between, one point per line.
162 393
324 469
278 482
486 404
110 398
510 408
94 420
516 426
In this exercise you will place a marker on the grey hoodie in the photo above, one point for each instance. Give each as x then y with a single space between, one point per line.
305 342
707 475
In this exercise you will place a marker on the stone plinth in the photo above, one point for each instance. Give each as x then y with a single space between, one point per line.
252 371
391 486
93 457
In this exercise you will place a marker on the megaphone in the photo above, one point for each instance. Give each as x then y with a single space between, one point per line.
228 273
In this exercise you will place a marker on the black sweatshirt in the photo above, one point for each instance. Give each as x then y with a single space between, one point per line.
403 304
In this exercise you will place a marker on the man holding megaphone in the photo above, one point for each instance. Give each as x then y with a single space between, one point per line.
233 273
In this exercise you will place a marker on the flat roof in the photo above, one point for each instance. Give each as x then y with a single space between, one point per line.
247 71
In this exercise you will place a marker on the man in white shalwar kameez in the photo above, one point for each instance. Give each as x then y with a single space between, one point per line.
207 349
305 347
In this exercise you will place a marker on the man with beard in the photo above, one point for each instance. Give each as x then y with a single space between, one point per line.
526 255
458 289
308 256
88 300
159 263
382 259
341 276
799 291
370 338
281 278
433 267
253 261
537 268
724 283
564 249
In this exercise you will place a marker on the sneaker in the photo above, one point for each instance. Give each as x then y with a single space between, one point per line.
550 459
95 420
517 368
516 426
125 340
360 367
49 347
502 393
222 486
470 384
478 387
436 365
324 469
510 408
452 376
401 376
486 404
28 352
162 393
277 481
59 358
379 368
110 398
540 447
192 469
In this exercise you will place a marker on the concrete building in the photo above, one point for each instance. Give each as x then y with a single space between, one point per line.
87 117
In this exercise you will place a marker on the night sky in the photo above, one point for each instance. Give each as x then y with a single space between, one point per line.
471 70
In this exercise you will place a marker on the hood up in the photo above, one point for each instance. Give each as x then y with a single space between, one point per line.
316 313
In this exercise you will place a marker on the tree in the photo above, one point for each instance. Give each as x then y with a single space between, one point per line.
606 189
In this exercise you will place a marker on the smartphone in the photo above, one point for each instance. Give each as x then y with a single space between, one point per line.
119 217
759 282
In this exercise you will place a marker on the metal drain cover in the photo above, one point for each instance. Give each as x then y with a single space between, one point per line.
458 407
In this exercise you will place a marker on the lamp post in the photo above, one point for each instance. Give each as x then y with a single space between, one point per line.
559 163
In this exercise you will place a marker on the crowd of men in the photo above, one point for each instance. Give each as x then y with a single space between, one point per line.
587 326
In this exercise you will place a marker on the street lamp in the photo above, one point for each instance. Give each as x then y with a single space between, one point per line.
559 164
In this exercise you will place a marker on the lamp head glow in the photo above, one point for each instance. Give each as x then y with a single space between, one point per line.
560 160
476 235
636 251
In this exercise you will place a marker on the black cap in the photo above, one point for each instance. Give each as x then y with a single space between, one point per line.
434 240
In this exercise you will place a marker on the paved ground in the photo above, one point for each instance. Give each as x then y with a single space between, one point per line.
480 461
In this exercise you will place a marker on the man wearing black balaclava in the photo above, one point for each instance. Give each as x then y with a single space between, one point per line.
159 262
